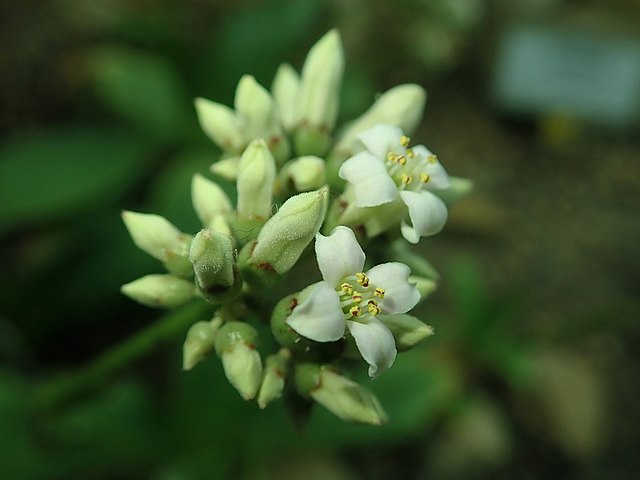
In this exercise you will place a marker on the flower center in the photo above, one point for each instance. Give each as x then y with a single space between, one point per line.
358 297
408 169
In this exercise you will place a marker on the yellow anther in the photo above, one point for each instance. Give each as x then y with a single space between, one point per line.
425 177
391 156
346 288
355 311
379 292
357 298
404 141
362 279
401 159
410 153
373 307
406 179
432 159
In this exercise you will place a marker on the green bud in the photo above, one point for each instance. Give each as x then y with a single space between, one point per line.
226 167
235 344
343 397
285 235
260 117
256 174
305 173
161 291
286 84
285 335
426 286
213 257
419 265
273 380
199 343
407 330
160 239
401 106
318 97
458 189
220 124
210 203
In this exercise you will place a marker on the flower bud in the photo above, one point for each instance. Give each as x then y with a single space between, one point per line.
259 116
285 235
273 380
199 342
401 106
341 396
256 174
407 330
220 124
426 286
213 257
226 167
160 239
286 84
319 95
305 173
210 203
161 291
235 344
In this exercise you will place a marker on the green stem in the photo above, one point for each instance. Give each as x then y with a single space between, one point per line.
68 385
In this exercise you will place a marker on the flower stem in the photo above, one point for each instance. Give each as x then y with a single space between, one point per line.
66 386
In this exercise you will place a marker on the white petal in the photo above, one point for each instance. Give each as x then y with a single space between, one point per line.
439 176
376 344
371 182
400 296
319 316
427 212
338 255
381 139
409 233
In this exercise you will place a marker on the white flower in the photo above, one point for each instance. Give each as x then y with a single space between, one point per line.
348 297
387 170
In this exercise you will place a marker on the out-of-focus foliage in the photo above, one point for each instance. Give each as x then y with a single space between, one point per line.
531 373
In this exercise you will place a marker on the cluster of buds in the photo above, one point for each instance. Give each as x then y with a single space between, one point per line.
301 186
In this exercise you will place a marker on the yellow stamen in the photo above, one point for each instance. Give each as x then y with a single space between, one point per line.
355 311
379 292
432 159
406 179
357 298
362 279
373 307
425 177
391 156
404 141
346 289
410 153
401 159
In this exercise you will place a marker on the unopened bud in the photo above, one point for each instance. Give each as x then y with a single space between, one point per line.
210 203
160 239
273 380
407 330
220 124
235 344
161 291
285 235
213 257
305 173
199 343
256 174
226 167
343 397
286 84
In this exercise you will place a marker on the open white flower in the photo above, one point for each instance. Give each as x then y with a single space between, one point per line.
350 298
388 170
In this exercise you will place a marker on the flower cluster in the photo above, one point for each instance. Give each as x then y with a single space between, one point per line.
337 189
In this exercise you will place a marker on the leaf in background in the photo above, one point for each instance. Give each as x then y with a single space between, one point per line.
71 171
143 88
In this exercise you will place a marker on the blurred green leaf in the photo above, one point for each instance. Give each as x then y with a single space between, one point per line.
143 88
57 174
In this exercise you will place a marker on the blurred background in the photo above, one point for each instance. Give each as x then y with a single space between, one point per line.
532 372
